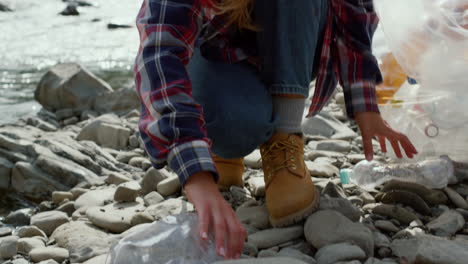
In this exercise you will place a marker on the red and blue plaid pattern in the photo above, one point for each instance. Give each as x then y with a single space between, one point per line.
172 125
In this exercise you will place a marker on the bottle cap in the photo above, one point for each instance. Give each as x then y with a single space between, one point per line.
344 175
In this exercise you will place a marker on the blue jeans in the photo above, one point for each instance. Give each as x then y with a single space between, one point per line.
237 98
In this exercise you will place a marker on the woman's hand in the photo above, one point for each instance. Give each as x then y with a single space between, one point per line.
371 124
216 214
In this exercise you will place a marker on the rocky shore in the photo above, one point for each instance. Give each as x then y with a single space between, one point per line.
81 159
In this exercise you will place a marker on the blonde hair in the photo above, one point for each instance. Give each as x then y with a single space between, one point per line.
238 12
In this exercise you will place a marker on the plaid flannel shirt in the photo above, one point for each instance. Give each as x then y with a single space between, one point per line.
171 123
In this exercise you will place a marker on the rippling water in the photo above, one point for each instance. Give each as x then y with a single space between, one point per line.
34 37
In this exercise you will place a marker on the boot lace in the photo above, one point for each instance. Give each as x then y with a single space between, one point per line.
276 149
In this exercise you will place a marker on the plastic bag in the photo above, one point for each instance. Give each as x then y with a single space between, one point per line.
429 39
173 240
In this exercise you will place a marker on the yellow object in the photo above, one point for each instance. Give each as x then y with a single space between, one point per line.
289 191
230 172
393 78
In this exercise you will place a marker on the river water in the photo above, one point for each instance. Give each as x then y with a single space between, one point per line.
34 37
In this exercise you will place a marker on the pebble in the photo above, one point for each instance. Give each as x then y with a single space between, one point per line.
296 254
341 205
58 197
95 198
321 169
257 186
274 260
169 186
5 231
256 216
49 261
116 178
8 247
19 217
387 226
27 244
267 253
141 218
334 190
456 198
327 227
432 197
77 192
49 221
331 254
169 207
41 254
30 231
334 145
127 192
394 211
68 208
152 198
152 178
275 236
250 249
447 224
380 240
114 217
406 198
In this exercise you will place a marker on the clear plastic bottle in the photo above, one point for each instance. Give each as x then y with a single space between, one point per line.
433 173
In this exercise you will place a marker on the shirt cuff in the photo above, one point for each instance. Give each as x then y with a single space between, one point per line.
361 97
190 158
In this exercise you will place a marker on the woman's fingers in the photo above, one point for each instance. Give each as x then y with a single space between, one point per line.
237 236
220 232
383 144
396 147
203 222
367 145
408 147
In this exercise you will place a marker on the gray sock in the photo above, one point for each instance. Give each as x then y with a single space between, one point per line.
289 112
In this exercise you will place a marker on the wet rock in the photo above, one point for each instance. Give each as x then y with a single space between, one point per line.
339 252
341 205
432 197
49 221
41 254
275 236
5 8
41 124
169 186
431 249
456 198
83 240
58 197
406 198
30 231
330 227
396 212
256 216
169 207
116 178
33 182
68 86
65 113
106 131
19 217
114 217
447 224
95 198
253 160
152 198
127 192
8 247
26 245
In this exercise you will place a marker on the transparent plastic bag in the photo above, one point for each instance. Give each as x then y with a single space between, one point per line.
429 40
174 240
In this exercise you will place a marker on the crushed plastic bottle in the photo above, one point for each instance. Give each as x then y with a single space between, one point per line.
432 173
174 240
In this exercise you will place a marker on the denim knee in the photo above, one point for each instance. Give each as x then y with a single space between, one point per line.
236 133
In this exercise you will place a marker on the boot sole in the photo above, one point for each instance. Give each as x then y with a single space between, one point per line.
297 216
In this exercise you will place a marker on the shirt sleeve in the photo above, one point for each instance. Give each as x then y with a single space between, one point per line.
171 123
358 71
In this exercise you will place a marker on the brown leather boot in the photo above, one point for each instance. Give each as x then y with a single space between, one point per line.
230 172
291 195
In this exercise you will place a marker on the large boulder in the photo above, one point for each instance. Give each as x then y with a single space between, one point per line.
68 86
